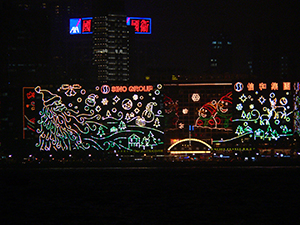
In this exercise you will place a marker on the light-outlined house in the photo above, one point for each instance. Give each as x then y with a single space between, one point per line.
134 141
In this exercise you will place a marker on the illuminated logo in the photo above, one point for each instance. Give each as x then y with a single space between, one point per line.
105 89
238 87
75 26
141 25
81 25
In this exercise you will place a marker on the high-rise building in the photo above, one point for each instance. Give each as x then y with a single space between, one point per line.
40 47
25 42
221 54
111 48
37 48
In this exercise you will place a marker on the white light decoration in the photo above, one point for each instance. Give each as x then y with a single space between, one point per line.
104 101
128 118
135 97
195 97
185 111
267 117
239 107
116 99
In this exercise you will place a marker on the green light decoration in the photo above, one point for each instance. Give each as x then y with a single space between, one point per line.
100 120
263 110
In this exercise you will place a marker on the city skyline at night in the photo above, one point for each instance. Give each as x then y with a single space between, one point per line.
126 44
262 36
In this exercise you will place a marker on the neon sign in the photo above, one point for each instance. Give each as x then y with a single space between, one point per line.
72 118
146 88
141 25
198 108
263 110
216 114
81 25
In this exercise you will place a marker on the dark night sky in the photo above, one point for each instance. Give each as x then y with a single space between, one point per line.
183 28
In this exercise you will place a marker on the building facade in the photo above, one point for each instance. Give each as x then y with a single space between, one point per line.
111 48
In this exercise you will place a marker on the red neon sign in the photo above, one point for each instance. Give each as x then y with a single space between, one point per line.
141 25
86 26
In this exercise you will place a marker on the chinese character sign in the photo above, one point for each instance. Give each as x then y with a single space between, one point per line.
119 118
86 25
141 25
263 110
29 112
81 25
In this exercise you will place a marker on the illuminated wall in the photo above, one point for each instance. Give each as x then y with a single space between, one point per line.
263 111
206 106
122 118
198 110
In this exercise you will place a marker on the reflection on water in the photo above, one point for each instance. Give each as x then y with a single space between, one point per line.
150 195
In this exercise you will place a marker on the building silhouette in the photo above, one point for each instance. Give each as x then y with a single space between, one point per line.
37 49
111 48
220 54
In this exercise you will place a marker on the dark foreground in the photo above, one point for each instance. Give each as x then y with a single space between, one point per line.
156 195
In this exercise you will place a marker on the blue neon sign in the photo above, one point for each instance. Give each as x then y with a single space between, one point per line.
141 25
81 25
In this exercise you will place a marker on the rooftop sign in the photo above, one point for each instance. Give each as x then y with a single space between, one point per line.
141 25
81 25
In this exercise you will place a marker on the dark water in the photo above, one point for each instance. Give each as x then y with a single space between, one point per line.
150 196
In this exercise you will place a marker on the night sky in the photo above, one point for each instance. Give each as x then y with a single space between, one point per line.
183 28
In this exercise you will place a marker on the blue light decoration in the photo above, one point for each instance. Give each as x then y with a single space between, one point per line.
81 25
263 111
125 119
141 25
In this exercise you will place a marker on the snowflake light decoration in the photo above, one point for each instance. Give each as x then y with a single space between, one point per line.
195 97
185 111
181 126
104 101
239 107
